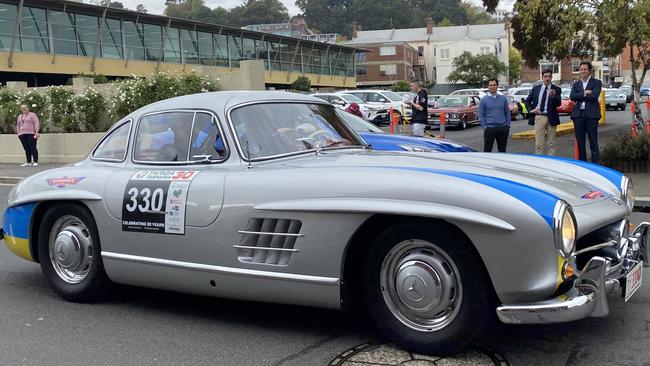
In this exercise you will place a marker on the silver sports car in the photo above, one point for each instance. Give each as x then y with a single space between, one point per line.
269 196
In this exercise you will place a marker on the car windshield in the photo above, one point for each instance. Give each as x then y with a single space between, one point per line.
452 102
272 129
358 124
392 96
612 92
351 98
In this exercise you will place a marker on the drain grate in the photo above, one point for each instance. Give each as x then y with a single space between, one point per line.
385 354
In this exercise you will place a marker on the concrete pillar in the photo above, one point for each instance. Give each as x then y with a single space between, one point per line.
78 84
17 85
252 74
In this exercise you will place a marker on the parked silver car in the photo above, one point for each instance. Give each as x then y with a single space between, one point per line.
615 99
372 112
270 196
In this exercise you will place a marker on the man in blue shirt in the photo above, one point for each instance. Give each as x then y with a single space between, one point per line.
494 116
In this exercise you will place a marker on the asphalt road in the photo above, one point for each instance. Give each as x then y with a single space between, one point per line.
616 121
148 327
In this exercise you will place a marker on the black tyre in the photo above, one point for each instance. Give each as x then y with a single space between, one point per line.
463 123
458 306
69 252
623 106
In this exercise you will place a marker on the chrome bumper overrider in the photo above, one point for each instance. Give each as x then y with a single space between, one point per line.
588 295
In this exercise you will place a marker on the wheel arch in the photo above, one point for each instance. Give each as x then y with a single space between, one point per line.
352 271
37 218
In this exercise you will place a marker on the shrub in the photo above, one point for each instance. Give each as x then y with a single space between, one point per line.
138 91
401 86
302 83
625 147
90 112
60 99
9 110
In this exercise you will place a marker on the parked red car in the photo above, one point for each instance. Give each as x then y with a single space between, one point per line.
567 104
461 110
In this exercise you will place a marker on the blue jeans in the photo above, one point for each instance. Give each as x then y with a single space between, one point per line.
586 127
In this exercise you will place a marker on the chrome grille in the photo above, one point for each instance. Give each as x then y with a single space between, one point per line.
268 241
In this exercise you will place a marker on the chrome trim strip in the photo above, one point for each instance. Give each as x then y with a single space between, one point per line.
265 248
279 276
268 233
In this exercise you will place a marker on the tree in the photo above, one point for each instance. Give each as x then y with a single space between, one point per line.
476 15
476 70
109 3
328 16
554 29
401 86
140 8
445 23
302 83
264 11
514 64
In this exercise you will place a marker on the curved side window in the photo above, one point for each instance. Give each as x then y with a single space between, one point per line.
207 140
163 137
113 147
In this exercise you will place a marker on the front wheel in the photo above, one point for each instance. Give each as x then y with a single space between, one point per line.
69 252
427 293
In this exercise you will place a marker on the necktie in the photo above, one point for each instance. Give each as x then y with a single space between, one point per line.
542 107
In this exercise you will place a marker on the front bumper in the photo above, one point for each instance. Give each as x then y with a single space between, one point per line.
588 295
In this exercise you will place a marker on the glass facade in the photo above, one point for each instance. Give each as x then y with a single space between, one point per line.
67 32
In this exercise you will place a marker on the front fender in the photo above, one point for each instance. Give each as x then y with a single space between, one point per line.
56 195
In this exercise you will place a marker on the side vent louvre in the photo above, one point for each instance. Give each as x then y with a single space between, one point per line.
268 241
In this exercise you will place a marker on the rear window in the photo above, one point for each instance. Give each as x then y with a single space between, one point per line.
113 147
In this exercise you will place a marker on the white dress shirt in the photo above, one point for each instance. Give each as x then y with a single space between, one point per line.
584 87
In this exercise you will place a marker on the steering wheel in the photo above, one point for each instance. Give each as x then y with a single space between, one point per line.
319 132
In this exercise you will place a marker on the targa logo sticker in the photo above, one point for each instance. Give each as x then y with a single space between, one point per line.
155 200
592 195
64 181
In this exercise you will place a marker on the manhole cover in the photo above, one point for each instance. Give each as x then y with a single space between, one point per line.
386 354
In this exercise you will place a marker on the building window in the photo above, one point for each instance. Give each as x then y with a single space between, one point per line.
8 15
387 51
421 51
444 54
554 66
575 66
87 29
63 33
33 30
390 69
485 50
172 49
112 39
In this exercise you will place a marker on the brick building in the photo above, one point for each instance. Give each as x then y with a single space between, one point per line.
383 64
565 71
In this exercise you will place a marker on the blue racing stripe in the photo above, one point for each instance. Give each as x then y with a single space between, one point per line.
542 202
611 175
16 220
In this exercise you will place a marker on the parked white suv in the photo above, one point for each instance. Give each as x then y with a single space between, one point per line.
372 113
384 98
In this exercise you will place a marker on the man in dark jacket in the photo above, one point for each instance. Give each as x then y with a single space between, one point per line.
542 102
586 113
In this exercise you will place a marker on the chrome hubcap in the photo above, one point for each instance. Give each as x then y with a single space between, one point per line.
71 249
421 285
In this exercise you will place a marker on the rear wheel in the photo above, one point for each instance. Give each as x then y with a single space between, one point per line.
428 293
69 253
463 123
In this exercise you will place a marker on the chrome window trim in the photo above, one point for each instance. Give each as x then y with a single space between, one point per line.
108 133
189 147
280 276
240 150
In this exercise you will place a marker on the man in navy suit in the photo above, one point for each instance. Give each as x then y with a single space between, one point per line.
586 113
542 102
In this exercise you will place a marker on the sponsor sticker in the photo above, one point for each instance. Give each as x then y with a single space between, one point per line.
592 195
155 201
62 182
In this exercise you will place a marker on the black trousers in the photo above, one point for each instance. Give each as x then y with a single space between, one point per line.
29 145
495 133
586 127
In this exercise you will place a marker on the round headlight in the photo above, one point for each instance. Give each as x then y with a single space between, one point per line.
565 230
627 192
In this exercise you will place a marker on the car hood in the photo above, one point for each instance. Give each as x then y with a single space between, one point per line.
445 110
381 141
577 183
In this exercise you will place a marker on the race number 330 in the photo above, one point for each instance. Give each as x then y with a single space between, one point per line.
144 200
143 206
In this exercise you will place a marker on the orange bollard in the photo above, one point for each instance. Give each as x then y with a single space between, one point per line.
443 123
647 103
632 107
576 153
390 120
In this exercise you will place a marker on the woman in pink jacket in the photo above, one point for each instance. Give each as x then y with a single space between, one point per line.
27 126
